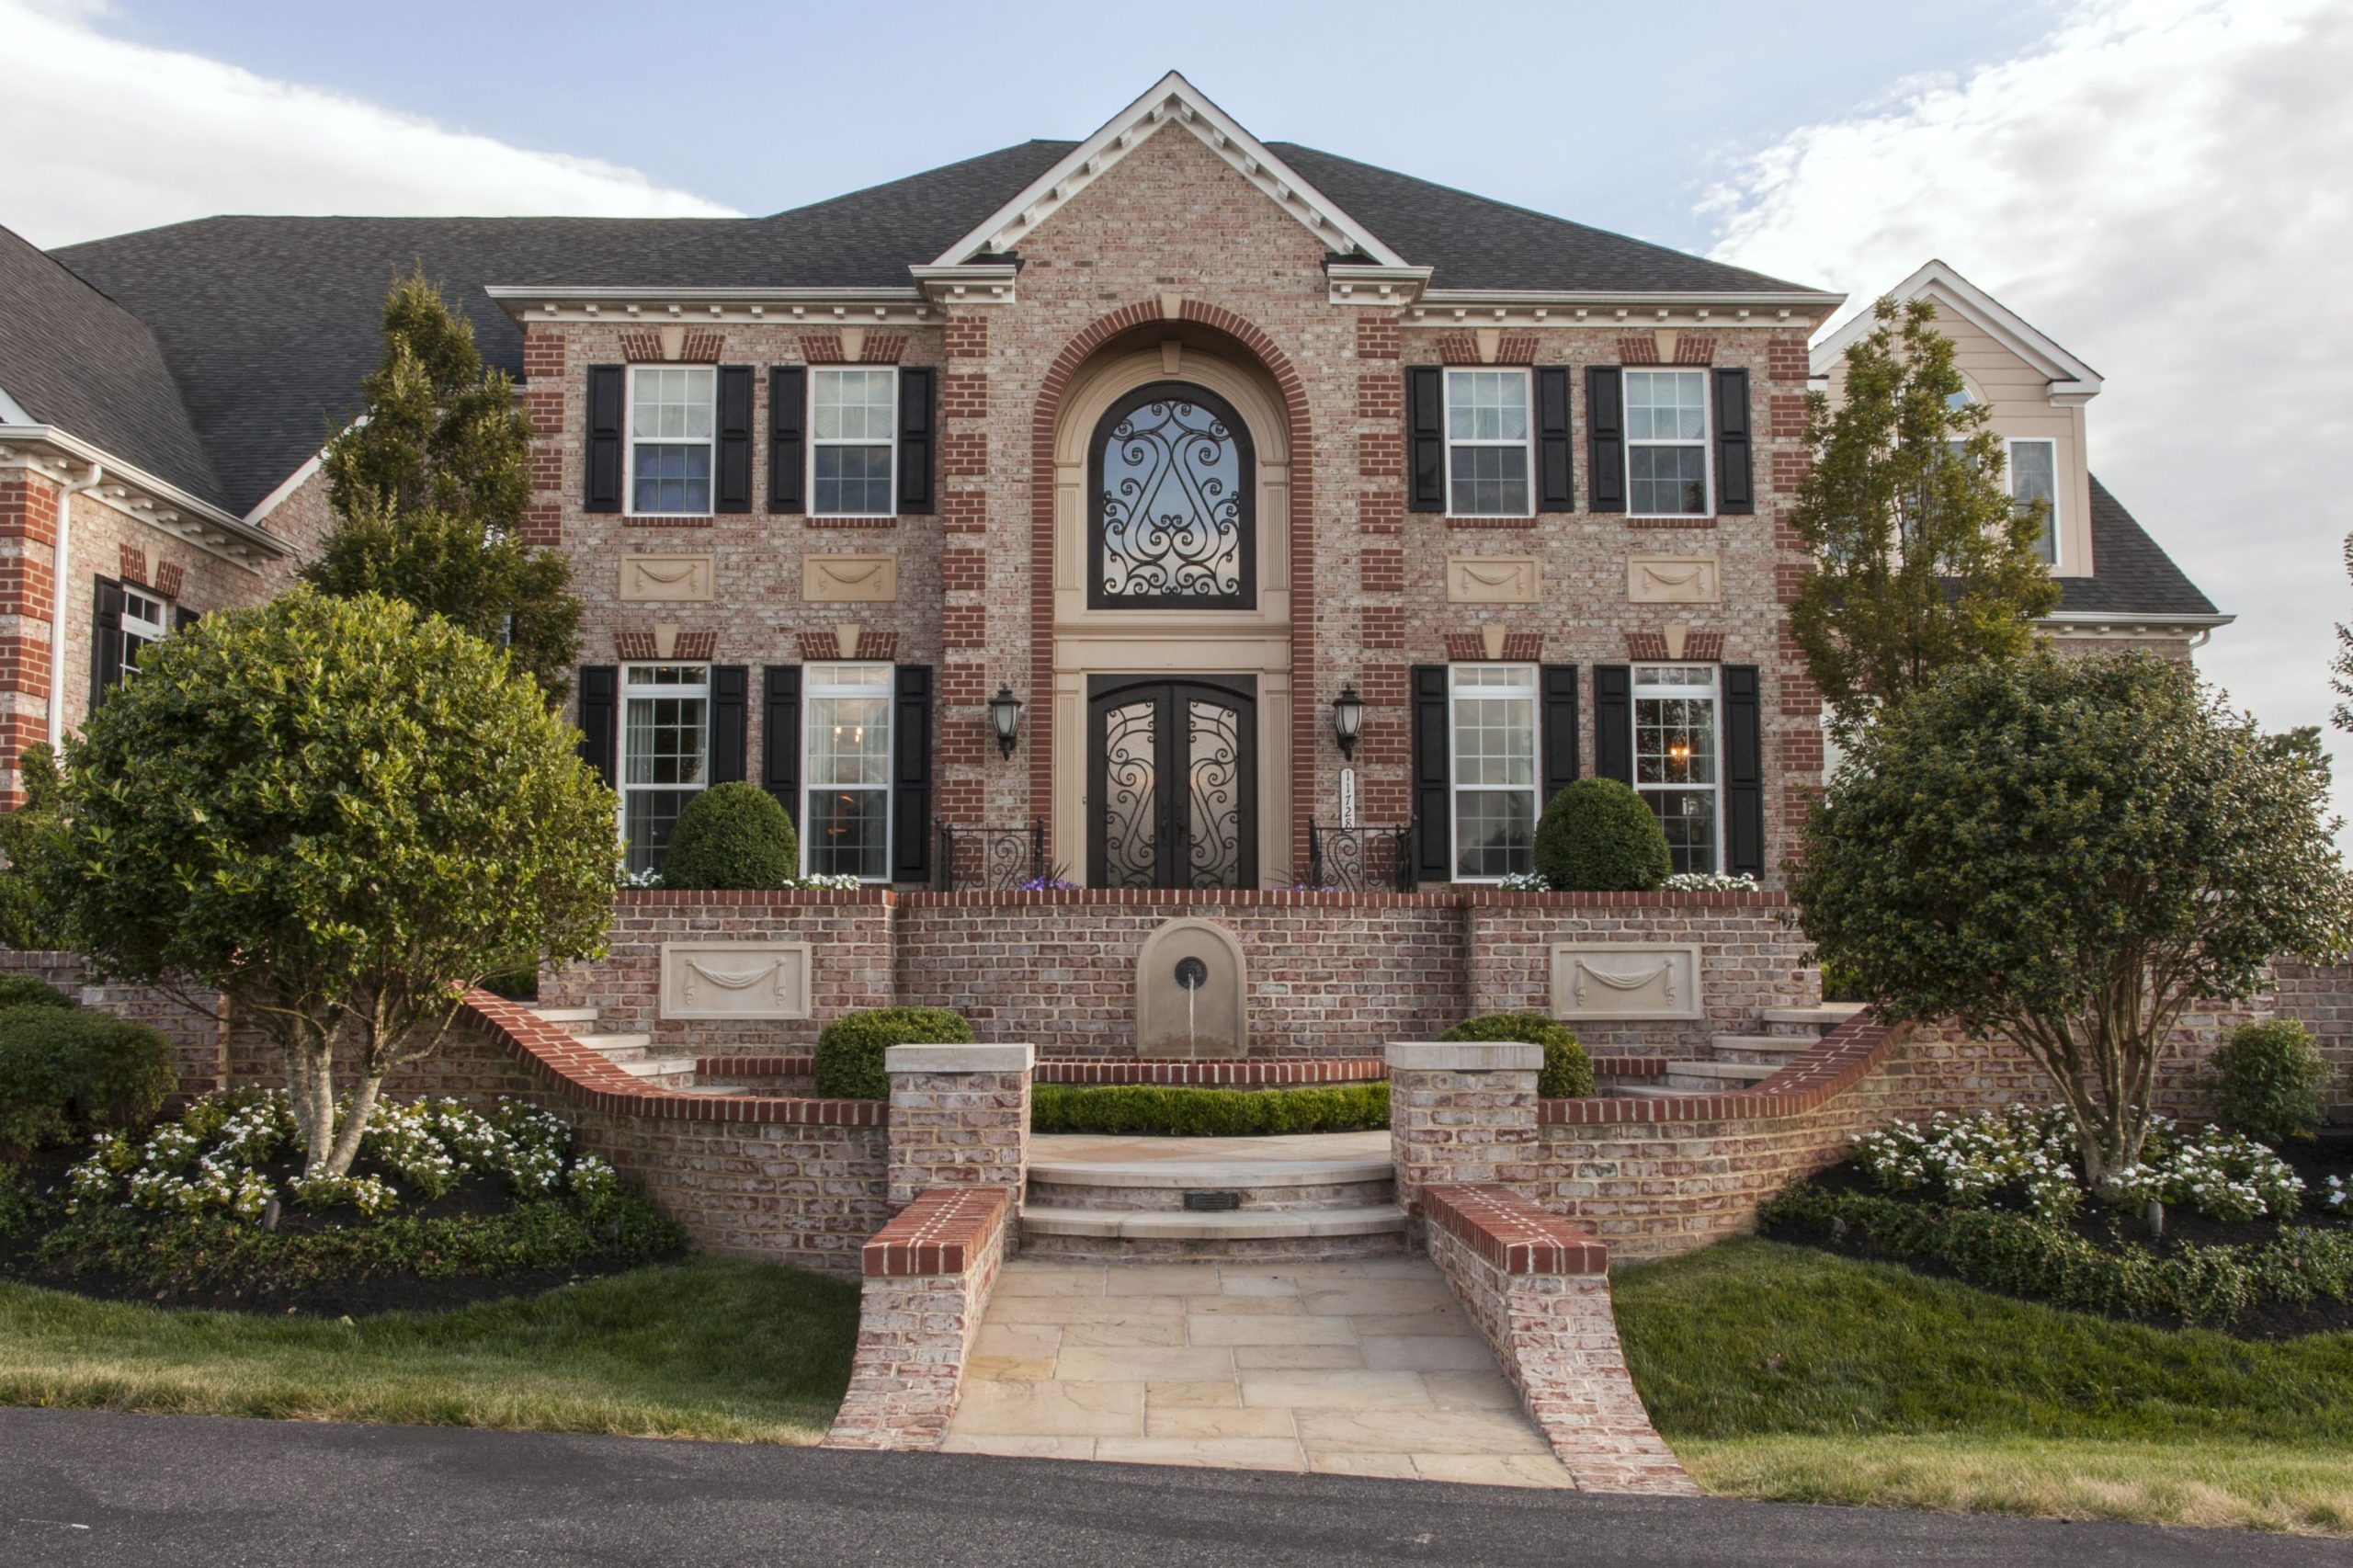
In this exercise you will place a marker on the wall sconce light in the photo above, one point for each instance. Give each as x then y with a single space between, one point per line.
1004 718
1347 720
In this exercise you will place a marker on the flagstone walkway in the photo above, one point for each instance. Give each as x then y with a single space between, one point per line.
1368 1367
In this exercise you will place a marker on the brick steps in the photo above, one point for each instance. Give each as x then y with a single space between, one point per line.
1822 1016
634 1053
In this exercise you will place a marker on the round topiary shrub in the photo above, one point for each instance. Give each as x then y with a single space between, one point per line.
849 1051
2274 1085
66 1073
731 835
24 991
1597 835
1566 1074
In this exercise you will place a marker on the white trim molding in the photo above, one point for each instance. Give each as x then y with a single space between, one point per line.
1594 307
1172 100
140 496
882 305
2126 624
2073 382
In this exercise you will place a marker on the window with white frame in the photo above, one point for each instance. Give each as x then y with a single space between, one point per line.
2034 476
1677 765
146 619
1666 444
671 413
1486 443
665 753
845 771
853 441
1492 719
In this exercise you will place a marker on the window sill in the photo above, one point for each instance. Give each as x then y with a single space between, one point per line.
1454 521
667 519
1686 521
849 520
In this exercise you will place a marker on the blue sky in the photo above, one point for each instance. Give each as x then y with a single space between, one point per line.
2156 184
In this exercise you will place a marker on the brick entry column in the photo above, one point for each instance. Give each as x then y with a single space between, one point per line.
959 1116
1461 1111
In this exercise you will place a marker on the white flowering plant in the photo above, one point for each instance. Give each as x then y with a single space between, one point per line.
1709 881
219 1157
1966 1160
1525 882
2336 1197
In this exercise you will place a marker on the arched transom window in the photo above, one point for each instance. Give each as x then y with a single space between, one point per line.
1170 474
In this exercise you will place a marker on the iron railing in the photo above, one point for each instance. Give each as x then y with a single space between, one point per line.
994 859
1361 860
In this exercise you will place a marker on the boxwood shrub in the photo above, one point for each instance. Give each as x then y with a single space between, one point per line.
24 991
66 1073
848 1064
1174 1111
1566 1074
1597 835
731 835
2274 1083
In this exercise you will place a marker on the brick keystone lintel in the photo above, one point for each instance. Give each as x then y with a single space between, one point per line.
946 1230
1510 1232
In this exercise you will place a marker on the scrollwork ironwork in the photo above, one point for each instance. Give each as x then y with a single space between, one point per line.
1172 471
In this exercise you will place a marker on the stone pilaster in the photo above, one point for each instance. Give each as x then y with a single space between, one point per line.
959 1116
1462 1111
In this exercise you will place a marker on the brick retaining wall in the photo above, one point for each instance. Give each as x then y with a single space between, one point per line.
927 1278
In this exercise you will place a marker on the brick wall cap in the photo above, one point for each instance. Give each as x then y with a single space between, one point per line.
1463 1056
994 1058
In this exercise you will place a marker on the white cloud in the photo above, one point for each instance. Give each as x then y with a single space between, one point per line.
2160 185
113 135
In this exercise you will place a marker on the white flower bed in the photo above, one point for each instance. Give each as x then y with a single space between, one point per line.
216 1157
1965 1159
1682 882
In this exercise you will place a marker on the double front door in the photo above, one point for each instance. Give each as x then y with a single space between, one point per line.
1173 772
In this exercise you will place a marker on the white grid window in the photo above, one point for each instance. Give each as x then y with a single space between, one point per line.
2034 476
1666 443
853 442
1487 444
1677 766
845 771
670 418
665 753
145 619
1493 725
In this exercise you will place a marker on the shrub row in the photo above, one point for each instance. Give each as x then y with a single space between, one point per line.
2021 1255
1181 1112
848 1060
66 1073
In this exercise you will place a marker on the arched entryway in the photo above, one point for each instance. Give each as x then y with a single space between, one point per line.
1170 661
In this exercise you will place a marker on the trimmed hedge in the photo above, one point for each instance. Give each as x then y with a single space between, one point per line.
1597 835
65 1073
1567 1073
1163 1110
24 991
848 1064
731 835
2019 1255
2274 1083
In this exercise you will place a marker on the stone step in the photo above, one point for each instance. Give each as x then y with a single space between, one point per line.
1258 1186
679 1067
1646 1092
1825 1015
1717 1078
1236 1235
574 1020
1776 1045
620 1047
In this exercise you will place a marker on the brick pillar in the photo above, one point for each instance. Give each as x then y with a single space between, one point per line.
959 1116
29 520
1462 1111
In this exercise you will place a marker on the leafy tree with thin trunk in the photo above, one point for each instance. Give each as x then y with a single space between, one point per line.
340 814
2342 665
2072 853
430 488
1920 560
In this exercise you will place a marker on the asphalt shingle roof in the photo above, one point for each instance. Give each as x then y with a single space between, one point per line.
2134 576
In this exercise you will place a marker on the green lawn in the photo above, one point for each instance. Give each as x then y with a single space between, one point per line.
1786 1373
705 1349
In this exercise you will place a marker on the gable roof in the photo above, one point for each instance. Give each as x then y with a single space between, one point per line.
73 358
2070 378
2132 573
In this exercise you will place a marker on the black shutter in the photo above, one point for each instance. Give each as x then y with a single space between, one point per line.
911 776
600 728
1433 777
730 714
1613 723
1605 422
106 640
780 739
1555 485
788 411
1558 739
183 618
1743 772
1736 482
918 414
734 491
607 391
1426 438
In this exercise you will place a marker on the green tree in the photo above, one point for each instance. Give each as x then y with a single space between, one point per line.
430 488
27 922
341 814
2072 853
1921 561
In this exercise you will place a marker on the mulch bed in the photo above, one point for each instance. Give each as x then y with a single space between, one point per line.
2313 1159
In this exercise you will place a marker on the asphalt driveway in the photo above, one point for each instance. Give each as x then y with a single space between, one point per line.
124 1491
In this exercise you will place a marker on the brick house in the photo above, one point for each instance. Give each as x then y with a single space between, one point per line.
966 512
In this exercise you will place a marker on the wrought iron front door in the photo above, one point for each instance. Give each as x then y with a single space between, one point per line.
1173 768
